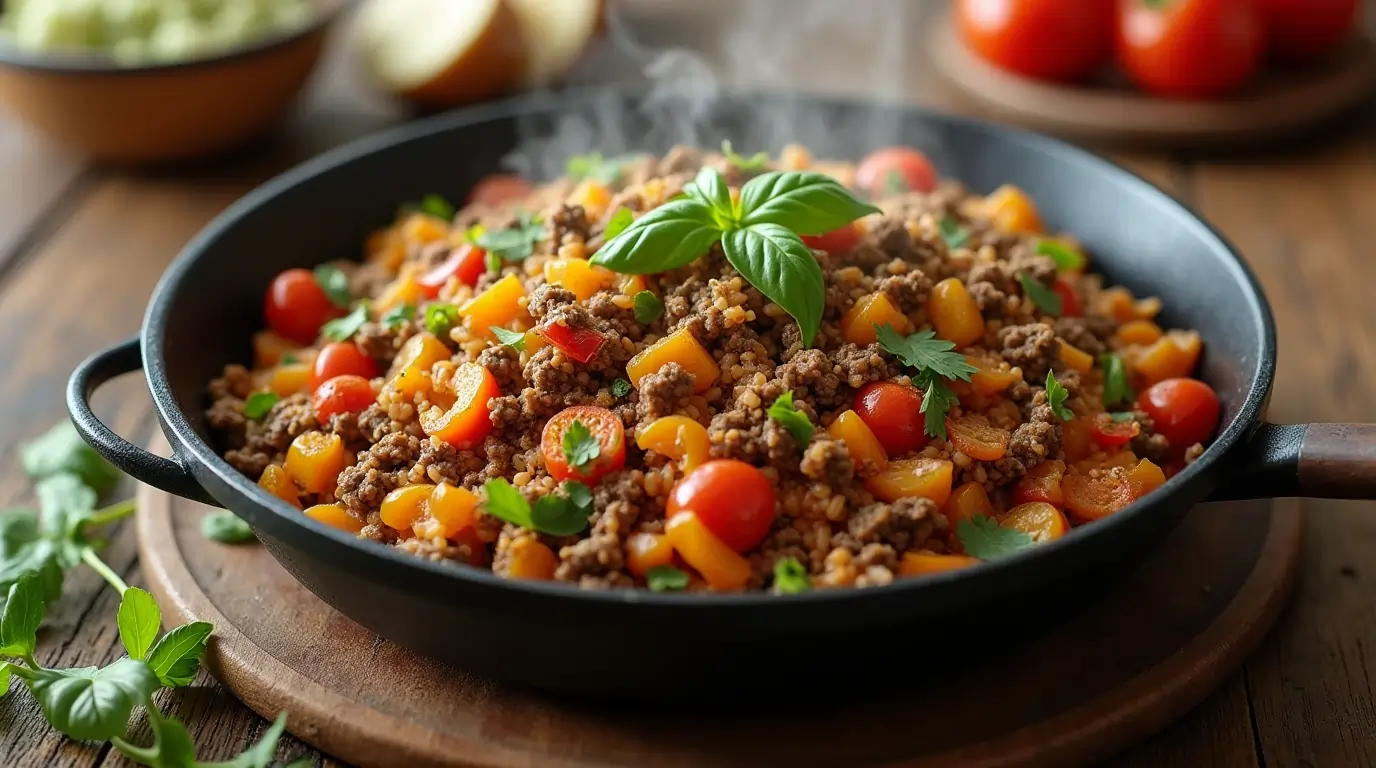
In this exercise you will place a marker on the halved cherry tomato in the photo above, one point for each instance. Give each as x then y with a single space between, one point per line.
1190 49
468 420
835 242
893 413
1070 299
1037 519
341 358
901 169
467 263
1304 29
1145 478
1016 35
606 429
1094 498
1041 483
342 394
733 500
579 344
1185 411
296 306
974 436
499 188
1113 434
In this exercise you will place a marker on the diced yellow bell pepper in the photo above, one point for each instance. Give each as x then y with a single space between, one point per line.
269 349
289 378
315 460
865 449
678 438
593 196
403 290
859 322
277 482
721 567
1139 332
1145 478
335 516
1037 519
924 563
1173 356
678 347
423 229
531 560
498 305
991 376
955 315
633 284
647 550
968 501
1076 359
1012 210
387 249
578 275
405 505
450 510
913 478
411 368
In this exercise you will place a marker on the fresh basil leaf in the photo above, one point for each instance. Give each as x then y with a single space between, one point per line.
5 673
925 352
673 235
710 188
172 746
621 388
514 339
175 658
937 401
440 319
61 450
25 551
795 421
666 578
225 527
805 202
138 621
514 243
558 516
23 612
951 231
1056 395
437 206
506 503
64 504
987 540
1066 258
1044 297
1116 387
335 284
344 328
91 704
648 307
399 315
618 223
580 446
779 265
259 755
790 577
755 162
259 404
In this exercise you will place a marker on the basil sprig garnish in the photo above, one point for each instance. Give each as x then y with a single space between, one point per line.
759 235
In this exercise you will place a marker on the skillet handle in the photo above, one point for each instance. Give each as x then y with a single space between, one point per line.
165 474
1320 461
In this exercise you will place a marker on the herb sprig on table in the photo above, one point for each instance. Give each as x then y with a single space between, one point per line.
37 547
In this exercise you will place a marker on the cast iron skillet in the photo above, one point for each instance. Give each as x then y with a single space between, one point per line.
628 643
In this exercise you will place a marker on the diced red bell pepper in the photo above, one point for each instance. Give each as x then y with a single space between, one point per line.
1070 299
580 344
835 242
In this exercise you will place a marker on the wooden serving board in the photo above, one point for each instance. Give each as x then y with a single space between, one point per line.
1137 659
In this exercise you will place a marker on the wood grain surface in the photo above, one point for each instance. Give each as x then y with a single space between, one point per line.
81 248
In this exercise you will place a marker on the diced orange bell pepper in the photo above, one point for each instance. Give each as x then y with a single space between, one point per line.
859 322
866 452
908 478
277 482
678 438
991 376
1146 309
1145 478
1037 519
531 560
498 305
1117 303
974 436
423 229
647 550
955 315
411 368
1012 210
580 276
678 347
1173 356
405 505
386 248
315 460
925 563
1041 483
1077 439
593 196
289 378
403 290
721 567
1094 498
465 423
1139 332
269 348
968 501
335 516
1075 359
449 511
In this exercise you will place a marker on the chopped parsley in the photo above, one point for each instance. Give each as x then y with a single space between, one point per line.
755 162
618 223
440 319
335 284
955 235
555 515
790 577
1116 388
666 578
513 243
514 339
343 329
987 540
621 388
1056 395
259 404
399 315
795 421
648 308
935 360
1067 259
580 446
1047 299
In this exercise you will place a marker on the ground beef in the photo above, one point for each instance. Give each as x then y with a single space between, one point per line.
746 432
1089 334
504 363
828 461
664 392
810 375
991 301
1031 444
862 365
546 299
440 462
680 159
904 524
569 224
267 441
892 236
380 470
908 292
382 342
1029 347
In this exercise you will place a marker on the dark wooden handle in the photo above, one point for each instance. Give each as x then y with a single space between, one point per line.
1338 461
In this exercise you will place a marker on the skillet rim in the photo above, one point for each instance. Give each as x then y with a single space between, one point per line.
347 550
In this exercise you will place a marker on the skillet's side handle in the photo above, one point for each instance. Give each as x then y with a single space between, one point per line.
165 474
1321 461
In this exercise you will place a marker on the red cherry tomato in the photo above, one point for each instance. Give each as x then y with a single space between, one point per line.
1114 434
895 169
296 306
499 188
339 359
467 263
606 429
733 499
1185 410
835 242
893 413
342 394
1018 35
579 344
1190 49
1306 29
1070 300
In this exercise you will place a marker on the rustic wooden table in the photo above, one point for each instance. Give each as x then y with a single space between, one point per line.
82 247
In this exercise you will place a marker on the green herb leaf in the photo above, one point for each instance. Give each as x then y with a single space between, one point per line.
5 673
514 243
780 266
579 495
24 551
61 450
673 235
437 206
925 352
172 747
64 505
755 162
985 539
259 755
710 188
618 223
895 183
398 316
91 704
1121 416
805 202
560 516
506 503
259 404
514 339
335 284
594 166
666 578
795 421
290 359
580 447
1116 387
175 658
138 622
226 528
440 319
344 328
790 577
1056 396
937 401
648 308
1066 258
24 611
952 232
492 262
1044 297
621 388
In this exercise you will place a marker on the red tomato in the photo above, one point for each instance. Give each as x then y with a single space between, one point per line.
733 499
605 427
339 359
893 413
467 262
901 167
499 188
1185 411
1190 49
1070 300
1045 39
835 242
296 306
579 344
1307 29
1113 434
342 394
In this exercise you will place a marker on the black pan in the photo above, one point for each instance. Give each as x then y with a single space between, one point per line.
556 637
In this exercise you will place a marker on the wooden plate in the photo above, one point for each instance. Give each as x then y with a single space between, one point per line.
1280 105
1137 659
